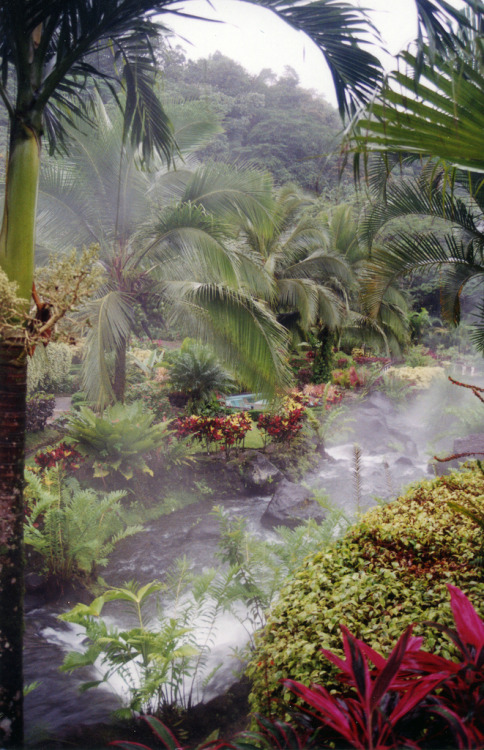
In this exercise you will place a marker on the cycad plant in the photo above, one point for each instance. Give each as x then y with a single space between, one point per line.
121 438
197 372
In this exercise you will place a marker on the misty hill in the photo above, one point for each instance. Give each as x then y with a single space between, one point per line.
267 120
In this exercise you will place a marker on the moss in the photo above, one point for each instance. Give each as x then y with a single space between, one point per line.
389 571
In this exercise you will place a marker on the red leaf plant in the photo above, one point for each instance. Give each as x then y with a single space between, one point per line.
405 681
369 720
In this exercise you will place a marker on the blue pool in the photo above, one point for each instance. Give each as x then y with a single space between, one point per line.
246 401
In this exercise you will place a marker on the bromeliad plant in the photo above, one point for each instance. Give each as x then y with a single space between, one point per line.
120 439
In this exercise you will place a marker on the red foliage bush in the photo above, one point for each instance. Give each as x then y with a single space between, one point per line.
65 454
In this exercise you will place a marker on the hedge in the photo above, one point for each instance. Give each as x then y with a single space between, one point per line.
388 571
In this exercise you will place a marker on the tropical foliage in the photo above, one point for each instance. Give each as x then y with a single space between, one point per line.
196 372
120 440
388 572
433 109
453 243
412 698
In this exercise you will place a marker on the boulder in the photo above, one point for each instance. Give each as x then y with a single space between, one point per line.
290 505
260 474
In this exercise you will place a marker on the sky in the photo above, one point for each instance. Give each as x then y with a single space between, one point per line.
257 39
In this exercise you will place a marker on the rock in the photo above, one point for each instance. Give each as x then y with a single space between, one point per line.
259 473
291 504
404 461
206 530
465 449
34 583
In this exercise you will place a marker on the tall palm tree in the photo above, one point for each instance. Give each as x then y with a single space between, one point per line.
293 253
46 55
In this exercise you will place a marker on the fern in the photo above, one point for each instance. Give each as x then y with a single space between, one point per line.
73 529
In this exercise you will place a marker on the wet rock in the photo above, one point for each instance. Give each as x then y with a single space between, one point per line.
259 473
291 504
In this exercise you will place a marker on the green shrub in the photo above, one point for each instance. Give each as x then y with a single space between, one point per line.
48 369
73 529
154 397
417 356
39 409
389 571
120 439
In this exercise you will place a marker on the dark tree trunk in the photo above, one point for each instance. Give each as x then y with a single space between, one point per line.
119 385
13 389
323 361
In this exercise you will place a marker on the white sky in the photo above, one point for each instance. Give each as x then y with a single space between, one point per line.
257 39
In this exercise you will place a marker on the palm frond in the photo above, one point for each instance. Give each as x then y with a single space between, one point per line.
223 190
339 29
242 331
300 295
412 197
477 333
110 319
441 115
407 253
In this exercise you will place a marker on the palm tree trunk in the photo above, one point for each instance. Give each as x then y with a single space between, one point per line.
119 384
13 388
17 260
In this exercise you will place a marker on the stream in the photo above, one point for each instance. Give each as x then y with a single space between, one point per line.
393 453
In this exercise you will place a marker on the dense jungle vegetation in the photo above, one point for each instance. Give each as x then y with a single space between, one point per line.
195 300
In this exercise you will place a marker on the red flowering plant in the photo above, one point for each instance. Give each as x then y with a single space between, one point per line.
229 431
323 394
435 693
64 454
285 424
349 378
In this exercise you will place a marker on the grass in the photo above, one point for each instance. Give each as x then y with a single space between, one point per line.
254 439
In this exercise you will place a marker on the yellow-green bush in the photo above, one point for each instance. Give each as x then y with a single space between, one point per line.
421 377
390 570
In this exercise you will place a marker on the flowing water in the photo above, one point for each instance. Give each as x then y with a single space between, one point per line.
392 455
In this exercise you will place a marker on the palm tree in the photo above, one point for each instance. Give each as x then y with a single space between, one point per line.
151 245
293 253
452 241
47 54
386 327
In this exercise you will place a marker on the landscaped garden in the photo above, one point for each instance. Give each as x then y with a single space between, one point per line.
242 444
